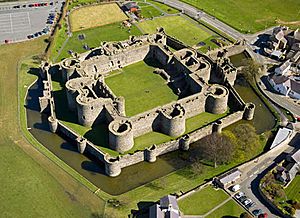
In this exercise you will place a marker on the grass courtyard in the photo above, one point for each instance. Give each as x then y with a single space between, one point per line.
141 88
252 16
94 16
29 180
180 27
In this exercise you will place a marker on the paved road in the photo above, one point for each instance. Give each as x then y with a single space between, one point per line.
253 174
17 23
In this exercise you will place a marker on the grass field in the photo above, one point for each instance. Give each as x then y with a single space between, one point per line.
93 38
249 15
189 31
149 11
141 88
94 16
28 189
202 201
293 190
229 209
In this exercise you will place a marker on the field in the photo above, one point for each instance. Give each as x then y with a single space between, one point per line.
93 38
141 88
229 209
189 32
293 190
96 15
201 202
149 11
252 16
28 189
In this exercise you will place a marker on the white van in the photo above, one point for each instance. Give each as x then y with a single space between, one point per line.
236 188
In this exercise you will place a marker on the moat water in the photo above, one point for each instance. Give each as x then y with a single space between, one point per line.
138 174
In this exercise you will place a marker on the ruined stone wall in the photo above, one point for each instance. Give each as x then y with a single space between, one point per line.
103 63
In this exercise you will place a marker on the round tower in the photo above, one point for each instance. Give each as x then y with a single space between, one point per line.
53 124
68 67
184 142
150 154
112 166
71 95
217 126
249 111
217 99
81 144
120 135
172 120
120 103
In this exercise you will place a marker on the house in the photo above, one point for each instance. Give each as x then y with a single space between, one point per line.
287 86
130 6
167 208
229 178
289 169
282 136
284 68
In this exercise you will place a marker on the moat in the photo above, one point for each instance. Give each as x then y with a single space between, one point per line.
134 175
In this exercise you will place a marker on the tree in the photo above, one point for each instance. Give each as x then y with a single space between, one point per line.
216 148
250 70
245 215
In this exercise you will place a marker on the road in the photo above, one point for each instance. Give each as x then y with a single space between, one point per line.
253 174
17 23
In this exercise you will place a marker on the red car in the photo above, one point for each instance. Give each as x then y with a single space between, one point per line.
263 215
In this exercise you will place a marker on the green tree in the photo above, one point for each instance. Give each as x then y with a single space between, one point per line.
250 70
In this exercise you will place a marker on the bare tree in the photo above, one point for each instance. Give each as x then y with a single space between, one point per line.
216 148
250 70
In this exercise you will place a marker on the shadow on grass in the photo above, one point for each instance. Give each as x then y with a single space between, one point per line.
98 135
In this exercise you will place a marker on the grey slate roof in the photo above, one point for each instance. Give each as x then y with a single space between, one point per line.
168 200
230 176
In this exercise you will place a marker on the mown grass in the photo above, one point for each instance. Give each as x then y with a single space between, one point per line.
93 38
95 15
28 189
229 209
189 31
293 190
249 16
149 11
202 201
141 88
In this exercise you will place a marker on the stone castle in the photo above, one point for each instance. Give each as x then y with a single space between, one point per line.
201 85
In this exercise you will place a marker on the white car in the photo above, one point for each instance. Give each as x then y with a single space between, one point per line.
239 195
247 201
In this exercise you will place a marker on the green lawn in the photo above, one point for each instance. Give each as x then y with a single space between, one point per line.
229 209
293 190
189 32
249 15
93 38
30 187
149 11
202 201
140 87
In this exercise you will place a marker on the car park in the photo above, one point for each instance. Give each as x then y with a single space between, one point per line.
247 202
242 199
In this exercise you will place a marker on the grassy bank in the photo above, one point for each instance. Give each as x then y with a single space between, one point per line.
249 16
28 188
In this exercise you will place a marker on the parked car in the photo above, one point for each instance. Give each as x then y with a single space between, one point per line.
247 201
235 188
239 195
263 215
243 198
252 204
257 212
